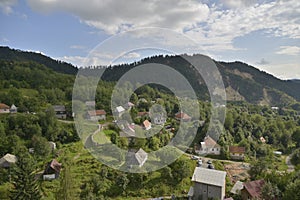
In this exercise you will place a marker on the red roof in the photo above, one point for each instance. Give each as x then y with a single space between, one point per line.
147 123
254 188
182 115
235 149
4 106
140 114
55 165
209 142
96 112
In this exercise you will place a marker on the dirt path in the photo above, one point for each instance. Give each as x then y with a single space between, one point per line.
291 167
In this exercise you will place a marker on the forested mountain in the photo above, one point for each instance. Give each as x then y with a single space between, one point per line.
242 81
17 55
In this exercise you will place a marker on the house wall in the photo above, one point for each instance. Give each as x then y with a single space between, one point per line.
4 110
205 191
214 151
237 156
245 195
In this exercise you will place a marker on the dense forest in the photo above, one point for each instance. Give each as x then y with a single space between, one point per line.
34 87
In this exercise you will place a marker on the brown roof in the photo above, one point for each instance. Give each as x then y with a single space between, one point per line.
254 188
209 142
4 106
235 149
140 114
96 112
182 115
146 123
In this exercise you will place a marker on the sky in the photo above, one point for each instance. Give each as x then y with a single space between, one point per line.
262 33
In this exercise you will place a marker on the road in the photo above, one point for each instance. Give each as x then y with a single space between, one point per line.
291 167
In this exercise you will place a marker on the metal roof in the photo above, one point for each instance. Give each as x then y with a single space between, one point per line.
209 176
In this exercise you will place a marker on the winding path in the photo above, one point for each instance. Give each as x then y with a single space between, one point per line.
291 167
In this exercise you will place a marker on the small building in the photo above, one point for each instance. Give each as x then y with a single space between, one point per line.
252 189
237 187
136 158
237 153
13 109
90 104
159 119
208 184
119 110
8 160
4 108
262 139
52 170
128 105
60 111
96 115
181 116
142 114
147 125
209 146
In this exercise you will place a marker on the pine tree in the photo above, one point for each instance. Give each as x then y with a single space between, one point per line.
25 185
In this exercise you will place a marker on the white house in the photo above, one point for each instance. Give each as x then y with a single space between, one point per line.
120 110
208 184
209 146
96 115
13 109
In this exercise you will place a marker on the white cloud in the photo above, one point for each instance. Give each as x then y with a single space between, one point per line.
289 50
6 6
132 55
214 27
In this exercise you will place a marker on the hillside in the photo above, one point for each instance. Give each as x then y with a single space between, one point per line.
242 81
17 55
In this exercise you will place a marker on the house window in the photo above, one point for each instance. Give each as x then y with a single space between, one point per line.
212 149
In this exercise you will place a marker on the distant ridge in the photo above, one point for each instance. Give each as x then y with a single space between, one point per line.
9 54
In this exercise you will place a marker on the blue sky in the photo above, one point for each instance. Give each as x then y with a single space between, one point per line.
265 34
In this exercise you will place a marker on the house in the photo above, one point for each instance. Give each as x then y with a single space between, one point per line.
136 158
262 139
13 109
208 184
8 160
128 105
209 146
147 125
90 104
96 115
142 114
159 119
119 111
52 170
60 111
181 116
252 190
237 153
4 108
237 187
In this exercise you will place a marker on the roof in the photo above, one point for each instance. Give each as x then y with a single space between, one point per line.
140 114
59 108
3 106
55 165
262 139
13 107
254 187
230 198
96 112
238 186
120 109
209 142
146 124
182 115
235 149
8 158
137 157
90 103
209 176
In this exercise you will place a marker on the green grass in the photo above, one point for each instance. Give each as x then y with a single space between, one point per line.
280 163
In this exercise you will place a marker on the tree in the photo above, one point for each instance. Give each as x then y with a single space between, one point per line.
123 182
270 191
65 191
23 178
292 190
296 137
41 146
